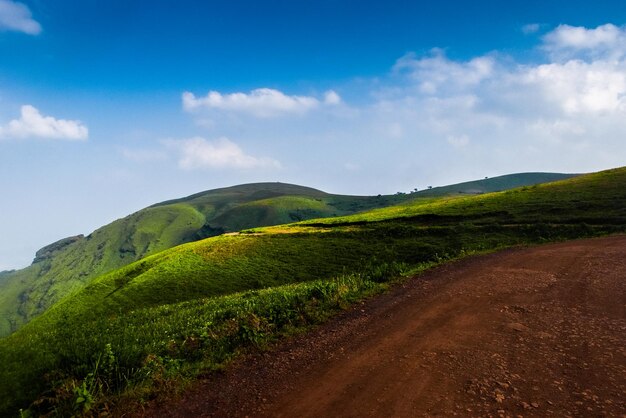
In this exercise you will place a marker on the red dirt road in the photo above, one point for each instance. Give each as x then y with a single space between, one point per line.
525 332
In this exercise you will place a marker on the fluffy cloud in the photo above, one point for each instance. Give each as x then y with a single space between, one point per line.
199 153
566 41
436 71
578 87
15 16
331 98
566 36
573 87
262 103
33 124
493 114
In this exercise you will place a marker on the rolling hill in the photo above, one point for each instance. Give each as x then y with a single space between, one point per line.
174 309
68 265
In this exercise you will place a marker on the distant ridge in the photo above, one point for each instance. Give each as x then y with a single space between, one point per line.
496 184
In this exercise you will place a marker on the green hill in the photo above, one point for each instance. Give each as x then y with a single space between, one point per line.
177 307
69 264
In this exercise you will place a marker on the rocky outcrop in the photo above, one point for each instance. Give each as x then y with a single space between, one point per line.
48 251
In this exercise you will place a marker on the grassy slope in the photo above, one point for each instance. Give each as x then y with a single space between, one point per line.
591 198
26 293
411 233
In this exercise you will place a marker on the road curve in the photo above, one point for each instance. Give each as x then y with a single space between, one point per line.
537 331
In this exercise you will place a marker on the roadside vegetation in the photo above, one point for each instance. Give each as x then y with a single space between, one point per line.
89 366
154 323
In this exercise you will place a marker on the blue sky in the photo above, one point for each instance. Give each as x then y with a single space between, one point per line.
107 107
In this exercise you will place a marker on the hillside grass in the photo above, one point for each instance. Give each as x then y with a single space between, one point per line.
26 293
596 198
155 319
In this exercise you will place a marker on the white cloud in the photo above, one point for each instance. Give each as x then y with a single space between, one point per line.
199 153
436 71
566 36
569 87
15 16
577 79
567 42
262 103
332 98
499 115
33 124
579 87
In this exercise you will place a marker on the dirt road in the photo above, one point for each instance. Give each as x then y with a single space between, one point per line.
525 332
